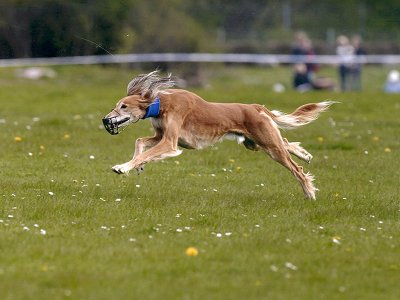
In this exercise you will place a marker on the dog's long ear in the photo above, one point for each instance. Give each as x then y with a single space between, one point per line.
149 85
144 103
157 85
136 85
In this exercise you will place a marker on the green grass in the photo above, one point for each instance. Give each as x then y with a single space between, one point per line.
118 237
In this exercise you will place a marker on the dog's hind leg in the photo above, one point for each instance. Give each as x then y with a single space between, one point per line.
306 179
295 149
266 135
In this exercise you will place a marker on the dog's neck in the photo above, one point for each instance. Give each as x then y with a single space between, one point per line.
153 110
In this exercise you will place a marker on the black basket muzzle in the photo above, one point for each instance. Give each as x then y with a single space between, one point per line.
112 124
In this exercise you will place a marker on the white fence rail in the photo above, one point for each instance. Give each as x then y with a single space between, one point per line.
266 59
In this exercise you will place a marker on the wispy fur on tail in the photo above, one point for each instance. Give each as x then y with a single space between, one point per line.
301 116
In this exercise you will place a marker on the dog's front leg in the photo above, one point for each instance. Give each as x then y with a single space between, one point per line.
126 168
158 152
141 145
167 147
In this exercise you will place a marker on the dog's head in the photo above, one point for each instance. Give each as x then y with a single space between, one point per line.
127 111
142 92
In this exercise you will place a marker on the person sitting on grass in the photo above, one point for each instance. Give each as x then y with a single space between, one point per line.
303 81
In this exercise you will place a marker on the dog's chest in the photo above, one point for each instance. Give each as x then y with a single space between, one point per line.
156 123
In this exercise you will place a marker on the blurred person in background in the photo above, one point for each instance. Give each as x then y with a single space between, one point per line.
302 82
345 52
304 73
302 50
355 71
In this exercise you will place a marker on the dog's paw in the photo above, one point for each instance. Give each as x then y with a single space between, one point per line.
308 157
121 169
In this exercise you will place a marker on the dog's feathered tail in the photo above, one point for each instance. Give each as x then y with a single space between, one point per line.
301 116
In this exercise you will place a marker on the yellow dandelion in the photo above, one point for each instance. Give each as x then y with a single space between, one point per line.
231 160
387 150
238 168
66 136
41 147
192 251
320 139
18 139
376 138
44 268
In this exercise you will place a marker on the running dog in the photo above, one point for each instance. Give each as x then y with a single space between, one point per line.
181 118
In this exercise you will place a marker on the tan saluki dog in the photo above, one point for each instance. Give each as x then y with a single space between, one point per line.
181 118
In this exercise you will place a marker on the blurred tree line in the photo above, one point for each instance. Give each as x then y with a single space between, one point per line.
46 28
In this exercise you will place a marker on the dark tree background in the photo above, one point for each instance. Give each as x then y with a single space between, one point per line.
49 28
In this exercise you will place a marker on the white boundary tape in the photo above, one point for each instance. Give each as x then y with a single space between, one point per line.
197 58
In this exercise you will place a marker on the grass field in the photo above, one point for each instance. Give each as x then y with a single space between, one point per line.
72 229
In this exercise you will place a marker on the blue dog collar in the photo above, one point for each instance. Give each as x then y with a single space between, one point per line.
153 110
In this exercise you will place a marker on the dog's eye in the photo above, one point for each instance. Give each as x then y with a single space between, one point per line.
123 106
